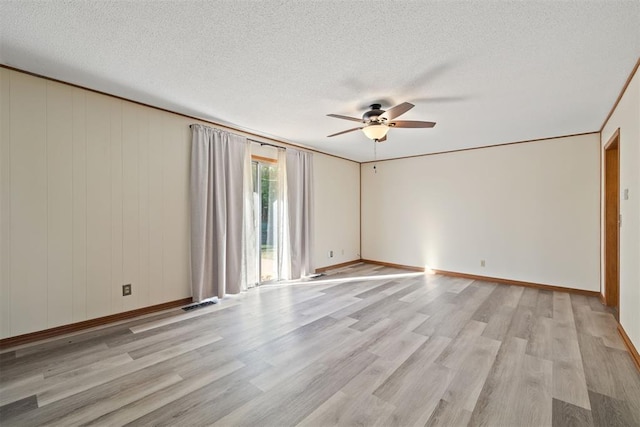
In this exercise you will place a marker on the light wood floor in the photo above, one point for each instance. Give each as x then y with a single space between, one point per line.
399 348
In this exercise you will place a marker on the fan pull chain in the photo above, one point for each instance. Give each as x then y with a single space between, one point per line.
375 155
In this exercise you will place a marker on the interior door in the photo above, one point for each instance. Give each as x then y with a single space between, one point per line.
612 222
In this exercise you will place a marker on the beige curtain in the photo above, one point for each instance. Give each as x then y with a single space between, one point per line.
217 169
299 177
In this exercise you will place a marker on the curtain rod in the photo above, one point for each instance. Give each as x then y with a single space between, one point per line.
266 143
256 142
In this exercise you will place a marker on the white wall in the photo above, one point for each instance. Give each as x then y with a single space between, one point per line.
626 116
336 210
95 195
531 211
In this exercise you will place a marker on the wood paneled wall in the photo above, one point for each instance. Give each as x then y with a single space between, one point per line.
94 195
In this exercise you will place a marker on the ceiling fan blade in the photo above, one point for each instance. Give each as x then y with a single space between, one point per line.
344 131
394 112
338 116
411 124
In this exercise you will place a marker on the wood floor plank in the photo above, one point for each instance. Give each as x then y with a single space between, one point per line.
182 316
302 356
20 382
448 414
607 411
323 310
7 355
569 382
544 305
535 383
380 286
499 323
358 306
418 396
604 325
436 320
11 410
104 406
567 415
312 344
499 390
131 412
578 300
201 407
502 295
78 384
44 386
110 390
436 300
540 342
628 382
458 284
562 309
375 313
372 376
352 288
522 323
471 374
58 361
344 410
412 368
581 313
467 302
79 342
596 305
454 355
400 345
529 298
427 285
405 287
601 374
313 386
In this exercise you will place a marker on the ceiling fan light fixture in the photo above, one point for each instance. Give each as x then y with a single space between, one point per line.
375 131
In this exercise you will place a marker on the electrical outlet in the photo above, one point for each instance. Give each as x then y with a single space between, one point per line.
330 254
482 263
126 290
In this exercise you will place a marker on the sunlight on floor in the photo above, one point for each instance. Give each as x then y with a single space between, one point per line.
345 279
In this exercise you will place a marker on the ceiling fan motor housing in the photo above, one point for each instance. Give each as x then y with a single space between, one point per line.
373 114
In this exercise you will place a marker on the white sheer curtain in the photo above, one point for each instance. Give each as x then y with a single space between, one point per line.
217 174
250 227
299 177
284 254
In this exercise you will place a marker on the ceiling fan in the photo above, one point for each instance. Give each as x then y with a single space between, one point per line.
377 122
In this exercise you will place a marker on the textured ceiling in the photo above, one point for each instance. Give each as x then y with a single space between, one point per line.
487 72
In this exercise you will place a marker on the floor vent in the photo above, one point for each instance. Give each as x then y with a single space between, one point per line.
198 305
